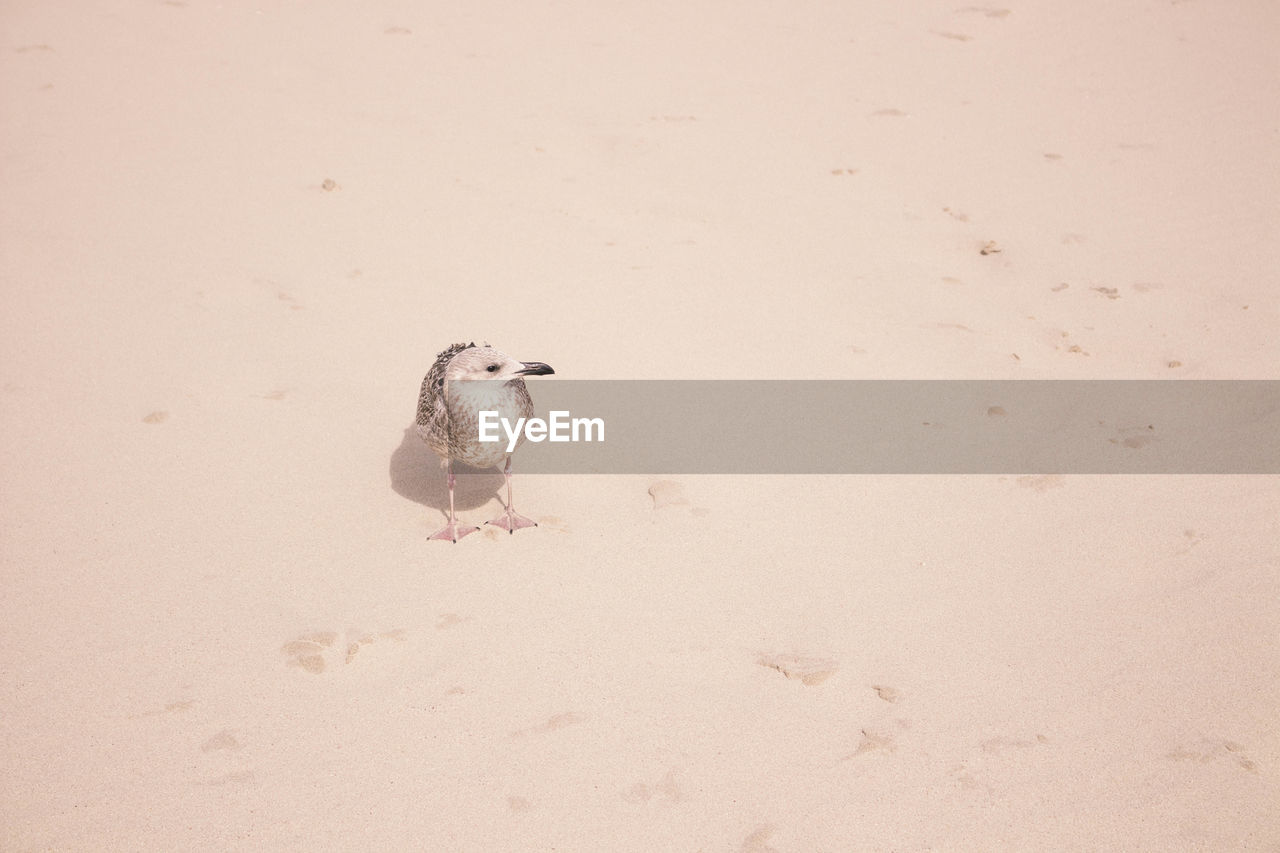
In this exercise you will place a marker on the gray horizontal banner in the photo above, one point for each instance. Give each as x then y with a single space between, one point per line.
900 427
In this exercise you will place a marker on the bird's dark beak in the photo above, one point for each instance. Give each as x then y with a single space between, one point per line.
535 368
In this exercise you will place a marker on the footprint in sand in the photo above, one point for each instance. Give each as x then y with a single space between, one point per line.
667 790
758 840
223 740
669 493
1135 438
966 780
1042 482
308 650
169 708
289 300
1210 749
396 635
809 671
559 721
1190 540
316 650
554 523
987 11
997 745
888 694
873 741
451 620
226 743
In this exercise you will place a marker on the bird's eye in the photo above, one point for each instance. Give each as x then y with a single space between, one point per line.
492 368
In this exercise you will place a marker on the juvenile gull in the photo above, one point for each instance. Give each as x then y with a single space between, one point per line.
448 419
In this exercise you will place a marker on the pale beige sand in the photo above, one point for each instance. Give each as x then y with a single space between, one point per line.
222 625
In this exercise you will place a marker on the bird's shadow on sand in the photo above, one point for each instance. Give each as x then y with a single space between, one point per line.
418 474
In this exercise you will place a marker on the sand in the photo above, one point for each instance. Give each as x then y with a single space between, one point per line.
234 236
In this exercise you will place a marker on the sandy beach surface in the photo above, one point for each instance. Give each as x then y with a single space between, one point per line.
233 237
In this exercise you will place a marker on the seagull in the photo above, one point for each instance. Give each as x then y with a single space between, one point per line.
448 420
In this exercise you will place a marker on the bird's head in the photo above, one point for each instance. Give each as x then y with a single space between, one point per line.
489 363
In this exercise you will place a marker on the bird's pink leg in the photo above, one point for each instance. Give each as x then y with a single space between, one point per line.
511 521
452 532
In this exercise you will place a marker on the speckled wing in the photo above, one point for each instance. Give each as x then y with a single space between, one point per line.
524 402
432 421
